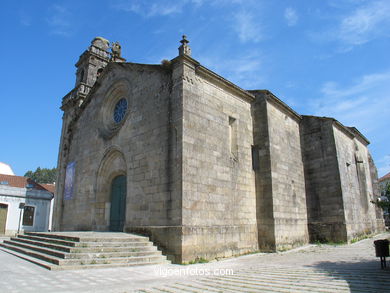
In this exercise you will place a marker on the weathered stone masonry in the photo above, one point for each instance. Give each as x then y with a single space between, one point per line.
211 170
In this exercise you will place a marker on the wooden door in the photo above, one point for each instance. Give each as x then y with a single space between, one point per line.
3 217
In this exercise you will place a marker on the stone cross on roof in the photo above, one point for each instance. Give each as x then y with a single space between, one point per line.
184 49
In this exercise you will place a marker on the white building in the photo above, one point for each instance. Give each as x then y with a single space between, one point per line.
6 169
24 202
383 182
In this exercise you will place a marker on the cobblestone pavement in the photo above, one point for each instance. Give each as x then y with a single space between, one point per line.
323 268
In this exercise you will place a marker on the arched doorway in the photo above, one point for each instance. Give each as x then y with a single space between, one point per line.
112 165
118 203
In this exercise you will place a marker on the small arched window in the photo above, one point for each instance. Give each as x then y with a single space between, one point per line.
81 75
99 72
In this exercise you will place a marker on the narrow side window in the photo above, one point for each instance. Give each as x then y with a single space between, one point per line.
233 137
255 158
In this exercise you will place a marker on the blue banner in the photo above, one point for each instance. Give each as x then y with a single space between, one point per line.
69 180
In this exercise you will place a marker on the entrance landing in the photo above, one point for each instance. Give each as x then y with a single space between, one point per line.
89 235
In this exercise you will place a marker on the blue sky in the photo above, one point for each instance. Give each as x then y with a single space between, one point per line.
327 58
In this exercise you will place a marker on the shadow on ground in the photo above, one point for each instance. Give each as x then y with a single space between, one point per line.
362 276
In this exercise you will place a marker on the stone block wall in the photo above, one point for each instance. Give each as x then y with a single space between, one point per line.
339 181
219 206
282 213
263 175
141 148
288 182
356 184
380 224
323 184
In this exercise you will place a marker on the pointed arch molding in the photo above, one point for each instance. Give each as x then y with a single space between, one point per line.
112 164
119 90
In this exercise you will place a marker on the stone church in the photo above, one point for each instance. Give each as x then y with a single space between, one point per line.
203 167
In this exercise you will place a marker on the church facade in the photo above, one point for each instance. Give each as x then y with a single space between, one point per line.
204 168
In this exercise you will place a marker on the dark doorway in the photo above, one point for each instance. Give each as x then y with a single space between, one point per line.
118 203
3 217
28 216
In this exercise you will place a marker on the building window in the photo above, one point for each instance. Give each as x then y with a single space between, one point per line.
120 110
99 72
233 137
255 158
28 216
81 79
4 182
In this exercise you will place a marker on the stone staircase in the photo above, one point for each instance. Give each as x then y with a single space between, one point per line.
83 250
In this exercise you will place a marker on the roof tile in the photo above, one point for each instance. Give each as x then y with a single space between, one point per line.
20 181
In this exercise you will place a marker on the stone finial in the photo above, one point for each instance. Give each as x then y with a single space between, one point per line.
116 53
184 49
101 43
116 49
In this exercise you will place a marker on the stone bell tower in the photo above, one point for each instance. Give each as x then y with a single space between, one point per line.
92 62
89 66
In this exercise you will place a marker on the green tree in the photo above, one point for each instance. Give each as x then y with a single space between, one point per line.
42 175
384 201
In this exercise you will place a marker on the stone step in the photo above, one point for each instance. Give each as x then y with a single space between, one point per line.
88 246
51 266
106 255
111 265
58 247
27 257
54 236
87 252
48 251
51 259
85 243
90 236
50 240
111 260
85 249
110 248
32 253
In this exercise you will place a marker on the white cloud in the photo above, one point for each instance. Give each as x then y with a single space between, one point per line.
25 18
365 23
364 104
364 84
154 8
245 70
290 16
244 20
247 28
384 164
354 23
59 20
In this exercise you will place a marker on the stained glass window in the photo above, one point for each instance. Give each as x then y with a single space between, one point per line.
120 110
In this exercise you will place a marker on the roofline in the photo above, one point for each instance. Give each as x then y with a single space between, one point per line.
352 132
343 128
105 71
29 196
278 102
384 177
210 75
359 134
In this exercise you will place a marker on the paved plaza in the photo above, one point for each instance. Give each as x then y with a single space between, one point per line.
313 268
